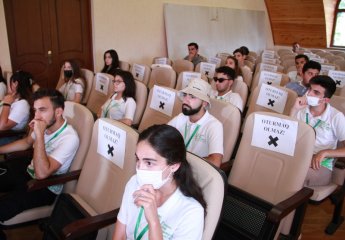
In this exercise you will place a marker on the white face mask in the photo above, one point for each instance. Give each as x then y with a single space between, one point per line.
313 101
155 178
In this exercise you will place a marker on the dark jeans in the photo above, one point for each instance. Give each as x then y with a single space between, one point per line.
16 198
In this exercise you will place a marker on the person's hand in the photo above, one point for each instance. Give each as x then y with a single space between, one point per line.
300 103
317 159
191 56
9 98
146 197
38 126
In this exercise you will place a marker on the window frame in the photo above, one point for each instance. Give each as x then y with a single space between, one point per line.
336 11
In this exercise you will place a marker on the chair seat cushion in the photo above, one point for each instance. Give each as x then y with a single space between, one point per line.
321 192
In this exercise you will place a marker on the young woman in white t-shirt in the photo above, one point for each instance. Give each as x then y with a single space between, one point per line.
74 86
121 105
163 200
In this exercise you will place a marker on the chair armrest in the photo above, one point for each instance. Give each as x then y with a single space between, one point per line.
87 225
35 184
19 154
282 209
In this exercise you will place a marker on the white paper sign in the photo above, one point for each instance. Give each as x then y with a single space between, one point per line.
268 54
138 72
223 55
268 67
162 60
215 61
325 68
207 69
272 98
338 77
275 134
163 100
111 143
270 78
270 61
102 83
315 59
187 76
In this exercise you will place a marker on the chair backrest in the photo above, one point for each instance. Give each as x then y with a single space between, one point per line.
247 75
153 113
140 99
88 75
266 173
184 78
288 63
82 121
163 77
213 184
162 60
102 181
230 117
254 107
61 79
141 73
250 64
101 89
338 102
264 74
340 63
242 89
125 66
182 65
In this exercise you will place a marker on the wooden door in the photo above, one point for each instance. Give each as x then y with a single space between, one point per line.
43 34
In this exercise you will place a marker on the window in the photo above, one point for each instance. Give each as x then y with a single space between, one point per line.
338 35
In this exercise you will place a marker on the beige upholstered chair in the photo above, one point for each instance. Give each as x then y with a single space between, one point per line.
125 66
82 120
152 116
88 75
162 60
98 95
140 99
242 89
101 183
250 64
163 77
182 65
212 182
284 80
265 186
340 63
180 84
336 189
141 73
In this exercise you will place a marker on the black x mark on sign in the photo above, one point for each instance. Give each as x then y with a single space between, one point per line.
273 141
271 102
137 74
161 105
110 150
206 73
102 87
269 83
338 82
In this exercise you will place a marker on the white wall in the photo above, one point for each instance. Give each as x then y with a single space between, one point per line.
134 28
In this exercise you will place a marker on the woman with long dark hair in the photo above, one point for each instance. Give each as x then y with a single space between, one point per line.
163 200
232 62
111 62
3 85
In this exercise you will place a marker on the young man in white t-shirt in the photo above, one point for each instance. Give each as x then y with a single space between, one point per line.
55 143
202 133
224 79
328 123
297 76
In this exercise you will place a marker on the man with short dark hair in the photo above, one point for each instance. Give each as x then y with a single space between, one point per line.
328 123
300 60
224 79
310 69
202 132
55 143
193 54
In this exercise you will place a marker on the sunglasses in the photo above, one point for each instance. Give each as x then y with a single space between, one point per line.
220 80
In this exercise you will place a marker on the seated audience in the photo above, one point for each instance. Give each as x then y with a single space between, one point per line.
245 51
300 60
15 107
74 86
193 55
3 85
202 132
121 105
111 62
224 80
328 123
309 70
232 62
55 143
295 47
162 199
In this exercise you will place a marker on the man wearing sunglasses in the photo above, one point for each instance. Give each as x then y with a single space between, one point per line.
223 82
202 132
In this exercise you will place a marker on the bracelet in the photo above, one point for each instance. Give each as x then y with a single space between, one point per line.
6 104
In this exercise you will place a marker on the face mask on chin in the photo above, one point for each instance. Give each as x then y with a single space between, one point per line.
155 178
313 101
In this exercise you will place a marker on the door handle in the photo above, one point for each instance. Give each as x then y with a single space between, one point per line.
50 54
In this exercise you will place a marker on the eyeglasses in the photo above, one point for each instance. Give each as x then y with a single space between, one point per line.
220 80
117 82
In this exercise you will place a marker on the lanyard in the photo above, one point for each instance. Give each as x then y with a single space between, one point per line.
191 137
145 229
105 112
56 134
307 121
